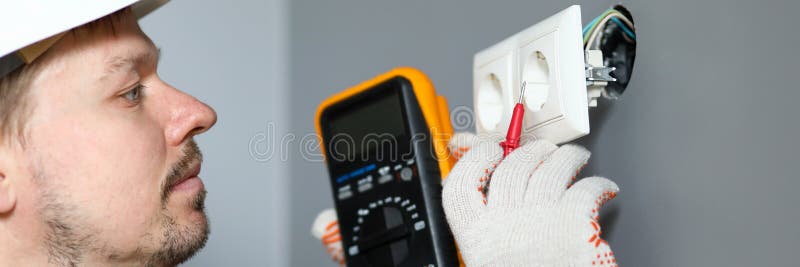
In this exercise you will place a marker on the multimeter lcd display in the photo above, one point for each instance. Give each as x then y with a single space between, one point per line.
371 128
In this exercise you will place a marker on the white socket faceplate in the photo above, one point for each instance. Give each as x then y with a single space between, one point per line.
549 57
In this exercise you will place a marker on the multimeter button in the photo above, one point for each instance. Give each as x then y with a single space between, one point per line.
419 225
383 170
406 174
384 179
345 194
364 187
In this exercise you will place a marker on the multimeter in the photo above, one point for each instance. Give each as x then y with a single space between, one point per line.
385 145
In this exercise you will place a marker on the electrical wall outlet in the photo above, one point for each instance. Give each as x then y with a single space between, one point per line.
549 57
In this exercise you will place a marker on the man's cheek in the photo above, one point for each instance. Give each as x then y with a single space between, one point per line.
114 170
133 188
133 209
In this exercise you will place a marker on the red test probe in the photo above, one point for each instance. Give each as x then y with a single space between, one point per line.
515 128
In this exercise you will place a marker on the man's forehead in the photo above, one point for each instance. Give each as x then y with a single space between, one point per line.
129 45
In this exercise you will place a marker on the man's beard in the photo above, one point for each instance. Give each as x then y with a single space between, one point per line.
181 243
68 238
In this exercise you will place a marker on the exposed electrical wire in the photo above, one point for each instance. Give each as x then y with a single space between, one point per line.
599 29
624 27
614 34
593 23
595 28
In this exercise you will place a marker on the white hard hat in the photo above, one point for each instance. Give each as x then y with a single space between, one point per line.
29 27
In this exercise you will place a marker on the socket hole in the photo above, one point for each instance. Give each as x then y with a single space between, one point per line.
490 102
537 75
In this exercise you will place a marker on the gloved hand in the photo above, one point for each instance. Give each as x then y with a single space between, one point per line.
326 229
530 215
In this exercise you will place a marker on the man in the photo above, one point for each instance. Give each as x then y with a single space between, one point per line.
98 166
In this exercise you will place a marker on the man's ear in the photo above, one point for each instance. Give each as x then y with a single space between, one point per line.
7 196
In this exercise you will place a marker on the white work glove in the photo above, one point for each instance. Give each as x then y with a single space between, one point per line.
326 229
530 216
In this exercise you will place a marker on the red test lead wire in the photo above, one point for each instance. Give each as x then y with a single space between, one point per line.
515 128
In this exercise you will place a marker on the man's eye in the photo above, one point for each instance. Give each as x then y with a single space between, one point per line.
134 94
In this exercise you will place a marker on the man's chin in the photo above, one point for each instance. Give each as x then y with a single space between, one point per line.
183 237
180 245
193 243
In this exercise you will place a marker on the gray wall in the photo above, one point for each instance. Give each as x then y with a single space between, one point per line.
233 57
703 144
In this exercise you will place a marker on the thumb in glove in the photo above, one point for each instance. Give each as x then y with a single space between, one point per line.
326 229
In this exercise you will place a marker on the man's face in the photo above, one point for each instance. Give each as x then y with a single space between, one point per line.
108 148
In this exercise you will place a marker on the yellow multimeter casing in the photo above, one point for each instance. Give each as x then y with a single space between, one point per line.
433 106
389 208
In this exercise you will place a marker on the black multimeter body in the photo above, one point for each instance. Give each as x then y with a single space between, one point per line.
387 193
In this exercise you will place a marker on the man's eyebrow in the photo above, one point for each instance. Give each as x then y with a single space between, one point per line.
119 63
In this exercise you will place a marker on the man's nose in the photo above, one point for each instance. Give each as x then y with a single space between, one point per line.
188 117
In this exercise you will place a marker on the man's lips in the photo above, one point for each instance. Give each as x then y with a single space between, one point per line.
192 172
